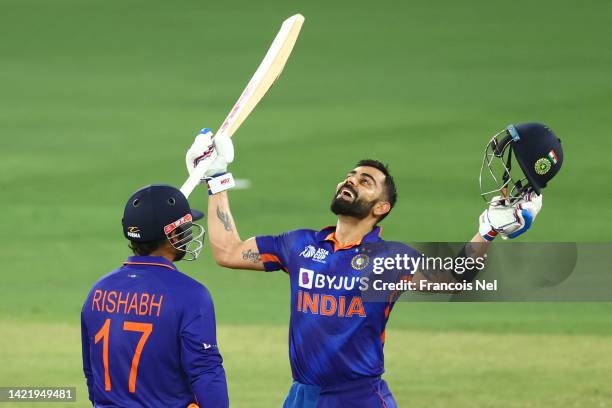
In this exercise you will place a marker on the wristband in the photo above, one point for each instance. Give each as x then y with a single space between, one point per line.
490 235
485 229
220 182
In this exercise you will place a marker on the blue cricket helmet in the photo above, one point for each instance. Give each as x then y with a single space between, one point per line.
160 211
537 151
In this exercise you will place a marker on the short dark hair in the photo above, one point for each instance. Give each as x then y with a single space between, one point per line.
145 248
390 190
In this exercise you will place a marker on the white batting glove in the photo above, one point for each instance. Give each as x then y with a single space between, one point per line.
202 151
225 155
215 154
509 221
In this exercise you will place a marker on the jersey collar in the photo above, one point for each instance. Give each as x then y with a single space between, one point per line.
329 234
158 261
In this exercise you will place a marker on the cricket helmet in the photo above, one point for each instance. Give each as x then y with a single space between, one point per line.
536 150
160 211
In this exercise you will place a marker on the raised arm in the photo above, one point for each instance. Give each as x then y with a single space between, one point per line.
227 247
509 221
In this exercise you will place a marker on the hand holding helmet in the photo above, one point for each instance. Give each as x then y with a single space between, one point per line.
518 163
510 220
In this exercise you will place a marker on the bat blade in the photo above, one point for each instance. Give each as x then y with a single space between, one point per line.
268 71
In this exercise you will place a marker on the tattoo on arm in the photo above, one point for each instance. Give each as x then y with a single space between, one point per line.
224 217
249 255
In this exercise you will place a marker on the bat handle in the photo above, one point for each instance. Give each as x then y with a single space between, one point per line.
194 179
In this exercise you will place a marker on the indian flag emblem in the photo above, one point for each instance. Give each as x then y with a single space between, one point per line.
553 157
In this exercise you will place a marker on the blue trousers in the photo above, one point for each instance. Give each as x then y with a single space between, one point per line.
363 393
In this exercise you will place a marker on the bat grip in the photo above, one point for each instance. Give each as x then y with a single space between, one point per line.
194 179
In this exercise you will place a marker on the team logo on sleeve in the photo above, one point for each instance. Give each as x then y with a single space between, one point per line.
316 254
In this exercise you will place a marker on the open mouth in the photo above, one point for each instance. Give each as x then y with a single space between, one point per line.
346 194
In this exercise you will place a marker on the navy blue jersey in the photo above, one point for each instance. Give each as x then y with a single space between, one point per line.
334 335
149 339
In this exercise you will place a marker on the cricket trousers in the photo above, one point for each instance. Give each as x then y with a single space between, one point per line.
362 393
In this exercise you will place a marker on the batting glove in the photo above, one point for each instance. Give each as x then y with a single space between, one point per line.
225 155
202 151
215 154
509 221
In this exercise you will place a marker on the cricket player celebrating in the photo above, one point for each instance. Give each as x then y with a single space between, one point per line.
335 338
148 331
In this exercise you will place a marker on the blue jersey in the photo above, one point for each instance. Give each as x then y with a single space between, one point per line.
334 335
149 339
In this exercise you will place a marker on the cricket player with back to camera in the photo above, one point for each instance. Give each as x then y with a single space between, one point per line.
148 331
335 339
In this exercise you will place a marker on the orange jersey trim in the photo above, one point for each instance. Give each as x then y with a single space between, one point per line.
337 246
273 258
270 258
149 263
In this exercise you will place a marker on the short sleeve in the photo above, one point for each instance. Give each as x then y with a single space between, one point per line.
389 267
405 271
274 250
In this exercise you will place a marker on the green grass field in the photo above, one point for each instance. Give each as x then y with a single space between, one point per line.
101 98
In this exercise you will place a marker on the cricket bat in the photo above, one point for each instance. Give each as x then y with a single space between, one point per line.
268 71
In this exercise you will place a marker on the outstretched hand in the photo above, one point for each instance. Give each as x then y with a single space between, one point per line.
509 221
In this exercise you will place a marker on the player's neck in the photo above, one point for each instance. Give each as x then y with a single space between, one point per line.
164 252
350 229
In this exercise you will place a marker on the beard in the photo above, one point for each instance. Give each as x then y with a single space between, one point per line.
357 208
